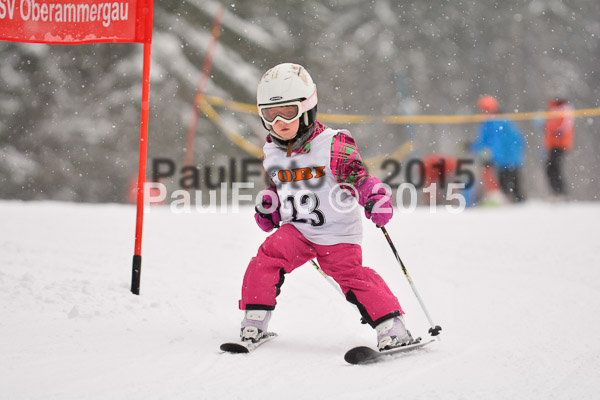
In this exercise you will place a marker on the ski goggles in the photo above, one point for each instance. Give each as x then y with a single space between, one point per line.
288 111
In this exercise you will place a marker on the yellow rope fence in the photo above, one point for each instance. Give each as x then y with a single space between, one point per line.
207 102
411 119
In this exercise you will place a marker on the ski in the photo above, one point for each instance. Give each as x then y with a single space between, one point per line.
367 355
247 346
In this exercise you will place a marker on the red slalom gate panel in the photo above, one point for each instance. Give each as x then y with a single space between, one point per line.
76 22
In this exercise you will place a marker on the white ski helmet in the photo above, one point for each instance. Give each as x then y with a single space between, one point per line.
287 92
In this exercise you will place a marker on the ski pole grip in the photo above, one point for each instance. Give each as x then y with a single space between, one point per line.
369 205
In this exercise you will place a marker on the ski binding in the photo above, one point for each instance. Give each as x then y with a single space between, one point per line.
367 355
247 346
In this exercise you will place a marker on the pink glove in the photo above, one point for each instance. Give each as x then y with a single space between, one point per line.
377 200
268 218
379 209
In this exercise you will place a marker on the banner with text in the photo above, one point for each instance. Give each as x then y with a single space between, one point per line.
76 22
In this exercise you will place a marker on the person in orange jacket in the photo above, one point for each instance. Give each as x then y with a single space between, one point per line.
558 139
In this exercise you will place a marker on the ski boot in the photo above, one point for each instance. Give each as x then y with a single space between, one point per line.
255 323
392 333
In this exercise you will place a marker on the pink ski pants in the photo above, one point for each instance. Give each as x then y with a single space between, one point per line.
287 249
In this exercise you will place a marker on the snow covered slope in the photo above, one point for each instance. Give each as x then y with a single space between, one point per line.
516 290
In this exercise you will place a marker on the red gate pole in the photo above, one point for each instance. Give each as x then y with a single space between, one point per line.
137 255
198 97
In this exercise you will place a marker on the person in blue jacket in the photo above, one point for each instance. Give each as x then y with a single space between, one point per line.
506 146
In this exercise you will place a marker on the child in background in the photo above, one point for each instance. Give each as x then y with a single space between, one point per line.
506 145
317 177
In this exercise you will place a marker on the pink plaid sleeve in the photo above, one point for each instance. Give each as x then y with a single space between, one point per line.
346 164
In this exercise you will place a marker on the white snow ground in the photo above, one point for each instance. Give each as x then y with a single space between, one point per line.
516 290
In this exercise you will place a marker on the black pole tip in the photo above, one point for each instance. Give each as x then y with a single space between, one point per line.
435 330
136 272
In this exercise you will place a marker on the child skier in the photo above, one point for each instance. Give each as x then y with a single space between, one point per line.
317 176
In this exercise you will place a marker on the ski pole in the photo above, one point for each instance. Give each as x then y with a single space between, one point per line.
435 329
331 281
327 277
318 268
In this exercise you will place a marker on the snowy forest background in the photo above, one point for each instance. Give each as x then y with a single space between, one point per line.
69 115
